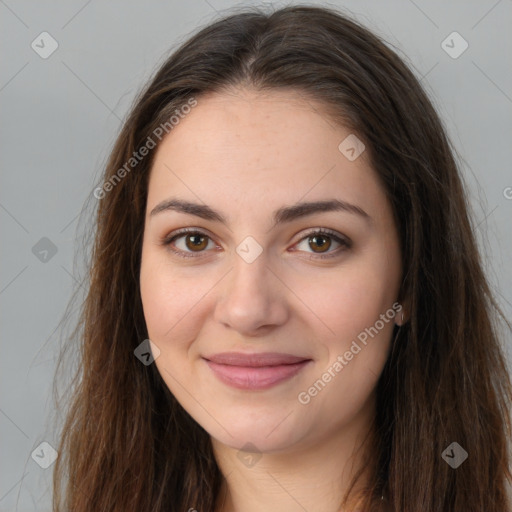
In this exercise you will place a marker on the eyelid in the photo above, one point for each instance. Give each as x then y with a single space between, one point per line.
168 239
344 241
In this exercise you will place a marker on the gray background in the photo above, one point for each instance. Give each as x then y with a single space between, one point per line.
60 116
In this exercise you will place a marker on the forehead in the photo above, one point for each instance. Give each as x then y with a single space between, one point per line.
260 149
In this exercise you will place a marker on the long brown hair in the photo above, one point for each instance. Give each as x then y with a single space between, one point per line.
127 444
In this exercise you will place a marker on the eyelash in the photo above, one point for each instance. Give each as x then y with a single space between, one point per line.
344 242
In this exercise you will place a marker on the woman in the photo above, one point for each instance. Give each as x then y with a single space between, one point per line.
287 309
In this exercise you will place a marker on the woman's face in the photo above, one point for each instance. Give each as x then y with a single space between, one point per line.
254 276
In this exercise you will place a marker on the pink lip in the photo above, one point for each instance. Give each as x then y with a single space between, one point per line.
255 371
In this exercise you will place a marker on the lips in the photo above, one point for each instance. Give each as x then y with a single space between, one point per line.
255 371
254 360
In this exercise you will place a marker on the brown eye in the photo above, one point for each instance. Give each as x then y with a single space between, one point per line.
196 242
322 242
319 244
188 243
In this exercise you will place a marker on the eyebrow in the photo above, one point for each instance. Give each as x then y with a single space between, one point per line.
281 216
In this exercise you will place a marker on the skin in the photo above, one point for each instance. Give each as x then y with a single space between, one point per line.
246 153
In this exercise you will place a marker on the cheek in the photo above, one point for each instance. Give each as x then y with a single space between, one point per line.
351 303
350 299
170 300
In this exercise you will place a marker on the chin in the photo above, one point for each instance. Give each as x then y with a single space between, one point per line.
265 438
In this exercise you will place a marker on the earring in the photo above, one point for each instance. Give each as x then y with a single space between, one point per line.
401 321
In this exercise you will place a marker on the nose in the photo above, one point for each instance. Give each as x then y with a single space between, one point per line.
252 299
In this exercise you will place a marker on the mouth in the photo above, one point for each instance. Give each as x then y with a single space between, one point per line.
255 371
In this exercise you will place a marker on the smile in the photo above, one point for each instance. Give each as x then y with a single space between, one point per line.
257 371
